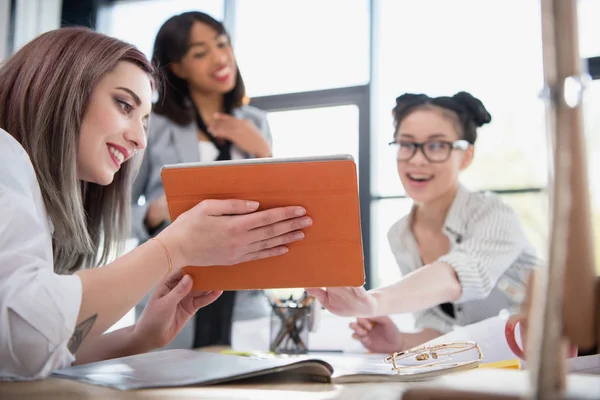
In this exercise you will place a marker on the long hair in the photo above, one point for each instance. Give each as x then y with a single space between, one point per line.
170 46
44 91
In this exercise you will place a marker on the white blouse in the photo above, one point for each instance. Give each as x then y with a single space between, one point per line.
488 250
38 308
208 151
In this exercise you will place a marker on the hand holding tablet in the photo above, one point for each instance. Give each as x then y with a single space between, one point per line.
247 235
329 255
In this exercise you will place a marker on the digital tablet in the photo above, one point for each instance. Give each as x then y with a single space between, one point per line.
331 253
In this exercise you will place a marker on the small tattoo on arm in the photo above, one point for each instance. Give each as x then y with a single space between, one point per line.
81 331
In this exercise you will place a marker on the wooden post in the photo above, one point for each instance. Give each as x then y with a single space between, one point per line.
563 300
563 304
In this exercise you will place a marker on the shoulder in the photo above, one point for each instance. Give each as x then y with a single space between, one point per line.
481 204
159 126
400 227
16 170
12 151
252 113
157 122
397 233
488 212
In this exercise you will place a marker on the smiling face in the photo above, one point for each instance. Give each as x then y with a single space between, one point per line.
209 64
425 181
114 123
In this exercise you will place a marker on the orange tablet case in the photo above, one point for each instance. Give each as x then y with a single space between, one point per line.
331 252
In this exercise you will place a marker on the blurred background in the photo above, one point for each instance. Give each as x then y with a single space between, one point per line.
328 71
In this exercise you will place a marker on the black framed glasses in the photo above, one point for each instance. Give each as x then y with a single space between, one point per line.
434 150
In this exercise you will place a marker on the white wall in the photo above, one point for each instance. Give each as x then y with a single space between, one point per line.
34 17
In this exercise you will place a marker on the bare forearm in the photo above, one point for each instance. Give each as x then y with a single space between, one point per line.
411 340
263 149
111 291
119 343
424 288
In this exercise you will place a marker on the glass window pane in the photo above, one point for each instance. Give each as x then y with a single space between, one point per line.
295 46
591 105
451 51
533 211
384 213
531 207
137 22
315 131
589 28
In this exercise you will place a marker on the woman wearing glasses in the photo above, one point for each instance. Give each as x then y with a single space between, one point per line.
463 255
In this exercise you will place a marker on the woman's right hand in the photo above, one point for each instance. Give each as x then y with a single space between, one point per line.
226 232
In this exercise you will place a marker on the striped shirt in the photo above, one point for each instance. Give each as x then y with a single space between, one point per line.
489 251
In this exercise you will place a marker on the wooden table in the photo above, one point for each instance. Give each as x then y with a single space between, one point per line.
490 381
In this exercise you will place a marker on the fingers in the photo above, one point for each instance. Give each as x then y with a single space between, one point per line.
270 217
167 284
359 330
364 340
275 242
320 294
220 121
228 207
182 289
206 298
222 117
381 320
360 291
278 229
365 323
360 337
362 327
345 293
257 255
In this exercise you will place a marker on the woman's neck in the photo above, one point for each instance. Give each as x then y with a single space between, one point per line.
432 215
207 104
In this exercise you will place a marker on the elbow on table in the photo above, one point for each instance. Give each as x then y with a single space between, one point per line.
32 356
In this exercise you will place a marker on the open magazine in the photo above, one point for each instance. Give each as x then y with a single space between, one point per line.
176 368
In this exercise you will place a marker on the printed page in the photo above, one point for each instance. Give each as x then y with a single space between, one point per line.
488 334
372 368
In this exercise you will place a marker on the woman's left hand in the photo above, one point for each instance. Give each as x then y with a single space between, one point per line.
378 335
241 132
171 305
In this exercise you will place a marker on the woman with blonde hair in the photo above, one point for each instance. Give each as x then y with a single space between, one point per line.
74 108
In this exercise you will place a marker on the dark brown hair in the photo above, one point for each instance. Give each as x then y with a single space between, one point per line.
467 111
44 91
171 45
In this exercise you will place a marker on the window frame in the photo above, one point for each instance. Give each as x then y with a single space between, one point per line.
593 66
354 95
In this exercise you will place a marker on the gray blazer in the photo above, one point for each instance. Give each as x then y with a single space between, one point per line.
169 143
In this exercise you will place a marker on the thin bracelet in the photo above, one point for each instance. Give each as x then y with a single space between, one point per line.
170 262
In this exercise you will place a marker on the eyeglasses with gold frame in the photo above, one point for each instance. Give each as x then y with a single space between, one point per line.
428 356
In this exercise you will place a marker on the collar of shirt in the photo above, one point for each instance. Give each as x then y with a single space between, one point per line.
454 225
